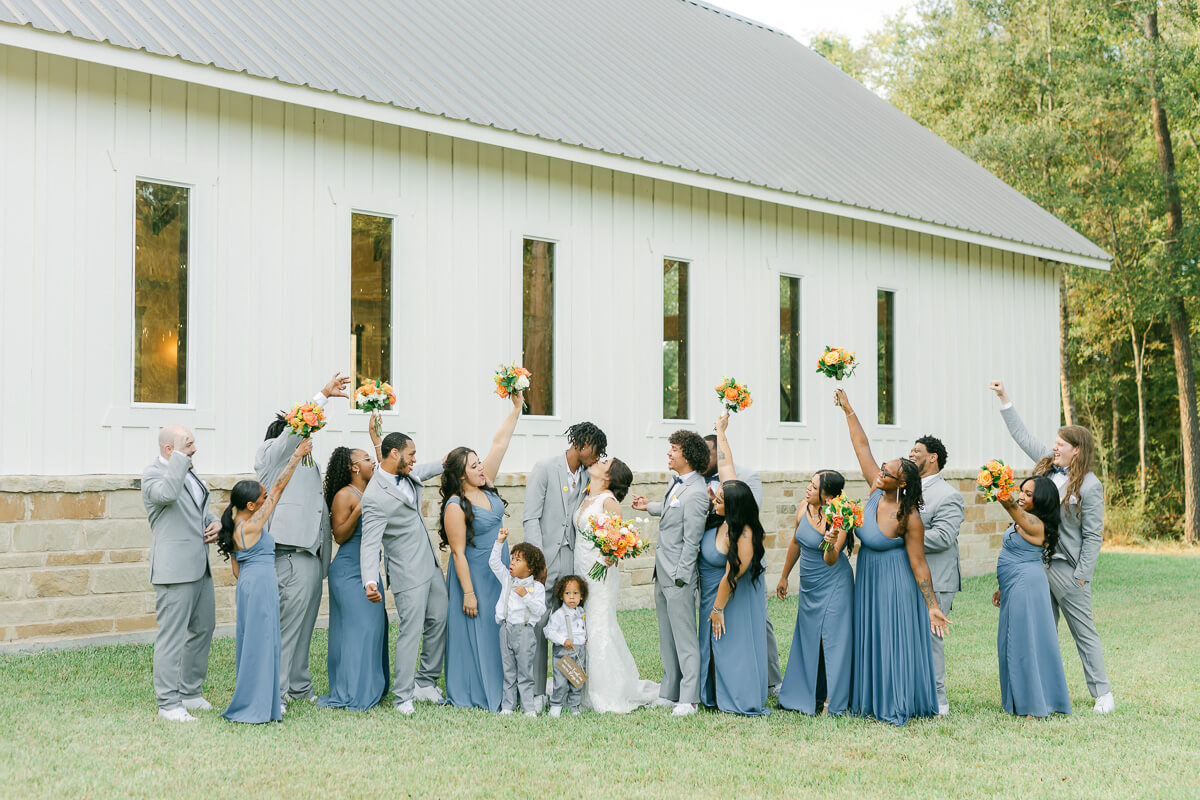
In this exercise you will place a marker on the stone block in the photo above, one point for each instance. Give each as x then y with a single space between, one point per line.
57 582
5 538
17 612
643 576
10 585
72 559
113 605
125 504
117 534
84 505
974 513
12 507
128 556
17 560
29 537
123 578
637 597
142 622
79 627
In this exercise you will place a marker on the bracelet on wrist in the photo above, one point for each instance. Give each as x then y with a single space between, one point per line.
720 611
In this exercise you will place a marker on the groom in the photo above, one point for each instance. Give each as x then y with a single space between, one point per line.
681 514
553 494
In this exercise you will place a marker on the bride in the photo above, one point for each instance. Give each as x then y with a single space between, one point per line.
613 684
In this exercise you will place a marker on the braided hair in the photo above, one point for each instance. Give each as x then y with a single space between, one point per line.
582 434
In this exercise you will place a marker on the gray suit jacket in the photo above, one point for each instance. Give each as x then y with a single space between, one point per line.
942 514
300 519
680 529
178 553
746 476
549 516
1081 518
394 524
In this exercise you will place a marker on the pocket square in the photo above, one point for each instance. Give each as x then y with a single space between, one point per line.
674 502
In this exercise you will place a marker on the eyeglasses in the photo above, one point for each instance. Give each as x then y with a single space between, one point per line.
883 469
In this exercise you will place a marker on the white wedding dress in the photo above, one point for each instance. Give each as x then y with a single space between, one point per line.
613 684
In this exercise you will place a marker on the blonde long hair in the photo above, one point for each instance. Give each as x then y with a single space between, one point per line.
1081 464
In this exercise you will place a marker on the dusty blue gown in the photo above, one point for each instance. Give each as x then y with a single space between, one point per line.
1032 681
733 669
893 656
257 648
474 673
819 667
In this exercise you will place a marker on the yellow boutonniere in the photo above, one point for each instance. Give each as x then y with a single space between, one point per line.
565 489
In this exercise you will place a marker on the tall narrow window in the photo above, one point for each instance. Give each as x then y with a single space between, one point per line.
885 346
675 339
537 324
371 296
160 293
789 349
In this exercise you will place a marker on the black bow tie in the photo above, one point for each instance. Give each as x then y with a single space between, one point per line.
1057 470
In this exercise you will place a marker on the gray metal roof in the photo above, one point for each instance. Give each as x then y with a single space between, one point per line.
675 82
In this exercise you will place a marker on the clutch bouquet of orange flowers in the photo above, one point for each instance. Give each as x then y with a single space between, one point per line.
510 379
842 514
375 396
305 420
733 395
616 539
837 363
995 480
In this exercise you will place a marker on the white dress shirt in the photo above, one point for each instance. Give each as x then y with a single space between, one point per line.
512 607
567 623
678 487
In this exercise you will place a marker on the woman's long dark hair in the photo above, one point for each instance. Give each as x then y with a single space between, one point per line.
910 493
243 494
453 472
1046 507
741 512
831 483
337 474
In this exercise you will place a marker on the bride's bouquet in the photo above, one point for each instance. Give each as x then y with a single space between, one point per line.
837 363
615 538
375 396
305 419
995 480
842 514
733 395
511 379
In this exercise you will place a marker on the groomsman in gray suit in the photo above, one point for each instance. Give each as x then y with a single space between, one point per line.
181 528
553 493
942 514
392 520
681 514
1080 535
303 546
754 481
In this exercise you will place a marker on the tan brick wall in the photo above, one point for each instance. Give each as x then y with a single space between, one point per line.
74 551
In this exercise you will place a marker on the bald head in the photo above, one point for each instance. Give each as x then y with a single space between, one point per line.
176 437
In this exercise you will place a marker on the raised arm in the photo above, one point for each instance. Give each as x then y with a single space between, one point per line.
725 469
491 464
495 562
1030 527
858 438
914 545
256 522
165 490
535 502
1016 426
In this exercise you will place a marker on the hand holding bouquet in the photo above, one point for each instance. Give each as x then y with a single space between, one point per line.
734 396
995 480
375 396
305 420
616 539
842 514
837 363
511 379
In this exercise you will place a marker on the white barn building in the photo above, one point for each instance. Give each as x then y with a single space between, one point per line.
206 208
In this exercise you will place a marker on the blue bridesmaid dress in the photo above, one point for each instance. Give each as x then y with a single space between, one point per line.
893 656
1032 681
733 669
819 667
256 694
358 634
474 672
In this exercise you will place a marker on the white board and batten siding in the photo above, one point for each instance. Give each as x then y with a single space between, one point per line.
274 185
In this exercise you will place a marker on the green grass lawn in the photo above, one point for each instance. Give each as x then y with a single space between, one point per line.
82 723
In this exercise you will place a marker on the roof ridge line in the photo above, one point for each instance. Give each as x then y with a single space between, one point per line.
737 17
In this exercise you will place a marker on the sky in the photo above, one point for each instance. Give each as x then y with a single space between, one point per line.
803 18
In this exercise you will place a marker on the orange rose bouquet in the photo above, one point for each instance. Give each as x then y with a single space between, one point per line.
842 514
375 396
305 420
734 396
995 480
510 379
837 363
616 539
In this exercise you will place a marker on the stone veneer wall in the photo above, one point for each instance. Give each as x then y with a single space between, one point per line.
74 551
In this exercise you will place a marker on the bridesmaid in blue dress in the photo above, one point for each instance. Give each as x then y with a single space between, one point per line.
472 515
358 629
1032 681
733 634
818 669
893 657
243 535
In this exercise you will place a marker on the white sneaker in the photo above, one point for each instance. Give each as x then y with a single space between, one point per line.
197 704
1104 703
662 701
556 711
504 712
944 711
428 694
683 710
176 714
405 708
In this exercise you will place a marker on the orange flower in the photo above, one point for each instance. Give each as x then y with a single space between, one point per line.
847 356
832 357
1004 495
501 391
984 478
745 402
1008 472
731 393
993 467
